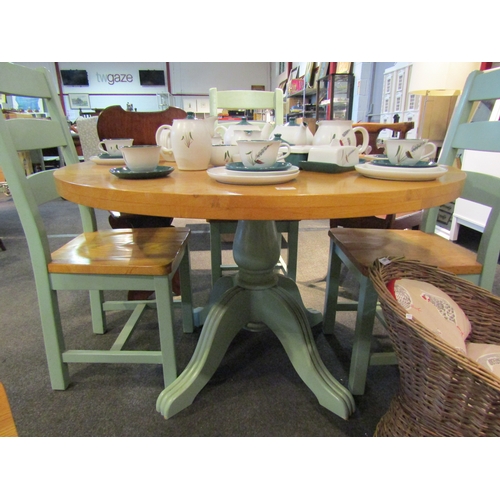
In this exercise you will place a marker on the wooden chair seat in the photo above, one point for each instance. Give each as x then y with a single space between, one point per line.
7 424
151 252
364 246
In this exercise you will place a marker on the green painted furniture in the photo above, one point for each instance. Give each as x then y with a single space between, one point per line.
138 259
357 249
250 99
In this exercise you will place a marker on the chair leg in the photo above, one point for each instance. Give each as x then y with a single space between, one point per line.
293 245
2 246
365 318
186 294
215 252
52 336
97 311
165 311
332 291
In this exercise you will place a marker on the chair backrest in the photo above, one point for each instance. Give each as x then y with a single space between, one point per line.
114 123
24 135
485 189
463 133
247 99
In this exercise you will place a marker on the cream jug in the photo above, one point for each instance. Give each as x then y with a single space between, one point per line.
191 143
340 133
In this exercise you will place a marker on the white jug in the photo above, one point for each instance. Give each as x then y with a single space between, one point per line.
340 133
163 140
191 143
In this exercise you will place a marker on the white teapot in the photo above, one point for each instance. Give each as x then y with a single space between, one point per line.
245 131
295 133
340 133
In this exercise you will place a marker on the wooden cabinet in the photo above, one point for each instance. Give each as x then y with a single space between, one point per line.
334 97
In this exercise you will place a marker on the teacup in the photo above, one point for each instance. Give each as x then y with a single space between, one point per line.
223 154
344 156
141 158
262 154
408 152
113 146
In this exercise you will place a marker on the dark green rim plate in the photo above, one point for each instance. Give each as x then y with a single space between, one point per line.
125 173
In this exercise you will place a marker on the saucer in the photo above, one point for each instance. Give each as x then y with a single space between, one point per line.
225 176
125 173
419 164
107 160
402 173
238 166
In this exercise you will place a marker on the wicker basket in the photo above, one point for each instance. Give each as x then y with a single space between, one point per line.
442 392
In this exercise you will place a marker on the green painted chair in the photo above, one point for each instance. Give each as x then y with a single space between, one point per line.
357 249
139 259
241 100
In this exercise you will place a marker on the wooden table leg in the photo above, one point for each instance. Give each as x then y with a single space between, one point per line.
259 295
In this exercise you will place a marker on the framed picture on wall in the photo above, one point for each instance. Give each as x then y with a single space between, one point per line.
343 68
79 101
309 75
322 69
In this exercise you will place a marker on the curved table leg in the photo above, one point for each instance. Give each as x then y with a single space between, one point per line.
259 295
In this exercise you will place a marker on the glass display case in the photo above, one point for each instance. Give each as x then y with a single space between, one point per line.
334 97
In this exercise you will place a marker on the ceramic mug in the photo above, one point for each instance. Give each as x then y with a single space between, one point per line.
344 156
223 154
408 152
141 158
113 146
262 154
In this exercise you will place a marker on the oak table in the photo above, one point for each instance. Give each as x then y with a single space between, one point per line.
255 294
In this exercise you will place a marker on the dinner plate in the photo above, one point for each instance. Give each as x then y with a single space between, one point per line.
327 168
419 164
400 173
107 160
222 174
125 173
238 166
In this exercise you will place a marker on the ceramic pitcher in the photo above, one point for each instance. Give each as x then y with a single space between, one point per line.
191 143
163 140
339 133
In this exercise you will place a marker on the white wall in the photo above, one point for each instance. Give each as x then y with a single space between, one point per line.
187 79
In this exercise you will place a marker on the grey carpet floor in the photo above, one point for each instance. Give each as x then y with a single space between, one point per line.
254 392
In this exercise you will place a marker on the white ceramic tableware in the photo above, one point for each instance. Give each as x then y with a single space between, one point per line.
112 147
408 152
191 142
262 153
295 133
340 133
223 154
141 158
344 156
244 131
163 139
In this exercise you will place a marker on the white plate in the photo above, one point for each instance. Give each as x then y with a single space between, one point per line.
107 161
400 173
221 174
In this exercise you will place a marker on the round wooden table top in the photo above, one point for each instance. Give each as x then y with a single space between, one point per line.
312 195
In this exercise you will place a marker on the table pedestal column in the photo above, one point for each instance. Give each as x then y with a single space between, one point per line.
259 295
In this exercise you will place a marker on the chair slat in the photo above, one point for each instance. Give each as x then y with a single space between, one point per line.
477 136
22 81
36 134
